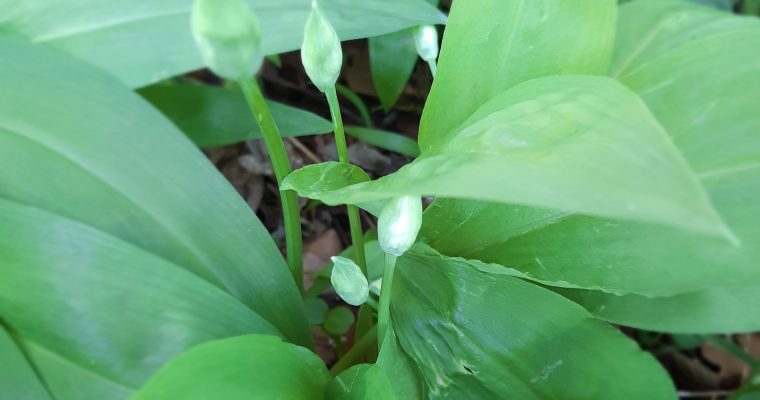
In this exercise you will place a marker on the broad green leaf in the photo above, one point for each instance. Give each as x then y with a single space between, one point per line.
213 117
492 45
18 381
144 41
399 369
488 336
98 315
620 257
338 320
391 61
361 382
697 69
245 367
712 310
77 143
554 142
385 140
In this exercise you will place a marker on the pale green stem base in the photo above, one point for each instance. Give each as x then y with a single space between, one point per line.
384 312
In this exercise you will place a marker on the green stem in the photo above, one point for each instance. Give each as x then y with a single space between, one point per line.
354 219
354 355
384 312
281 165
433 66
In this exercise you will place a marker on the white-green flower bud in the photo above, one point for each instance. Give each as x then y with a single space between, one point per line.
228 37
321 54
426 42
399 224
349 281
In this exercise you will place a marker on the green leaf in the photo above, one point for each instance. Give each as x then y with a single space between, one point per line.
316 309
478 335
339 320
385 140
312 180
142 42
399 369
96 314
554 142
349 281
667 52
212 116
708 311
391 61
245 367
492 45
361 382
17 378
95 152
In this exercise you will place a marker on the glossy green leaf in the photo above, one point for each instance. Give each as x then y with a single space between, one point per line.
144 41
554 142
212 116
391 60
361 382
399 369
712 310
312 180
667 51
245 367
77 143
18 381
385 140
492 45
478 335
338 320
98 315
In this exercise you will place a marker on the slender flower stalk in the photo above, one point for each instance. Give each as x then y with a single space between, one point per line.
384 310
281 165
228 36
426 43
322 58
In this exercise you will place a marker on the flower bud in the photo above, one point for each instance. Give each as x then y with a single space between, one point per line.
349 281
399 224
426 42
228 37
321 54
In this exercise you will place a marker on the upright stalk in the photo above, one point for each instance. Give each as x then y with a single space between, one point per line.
384 312
281 165
354 219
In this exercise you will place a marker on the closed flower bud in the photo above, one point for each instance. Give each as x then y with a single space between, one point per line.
228 37
399 224
321 54
426 42
349 281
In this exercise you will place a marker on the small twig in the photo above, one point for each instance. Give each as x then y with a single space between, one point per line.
712 394
305 150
